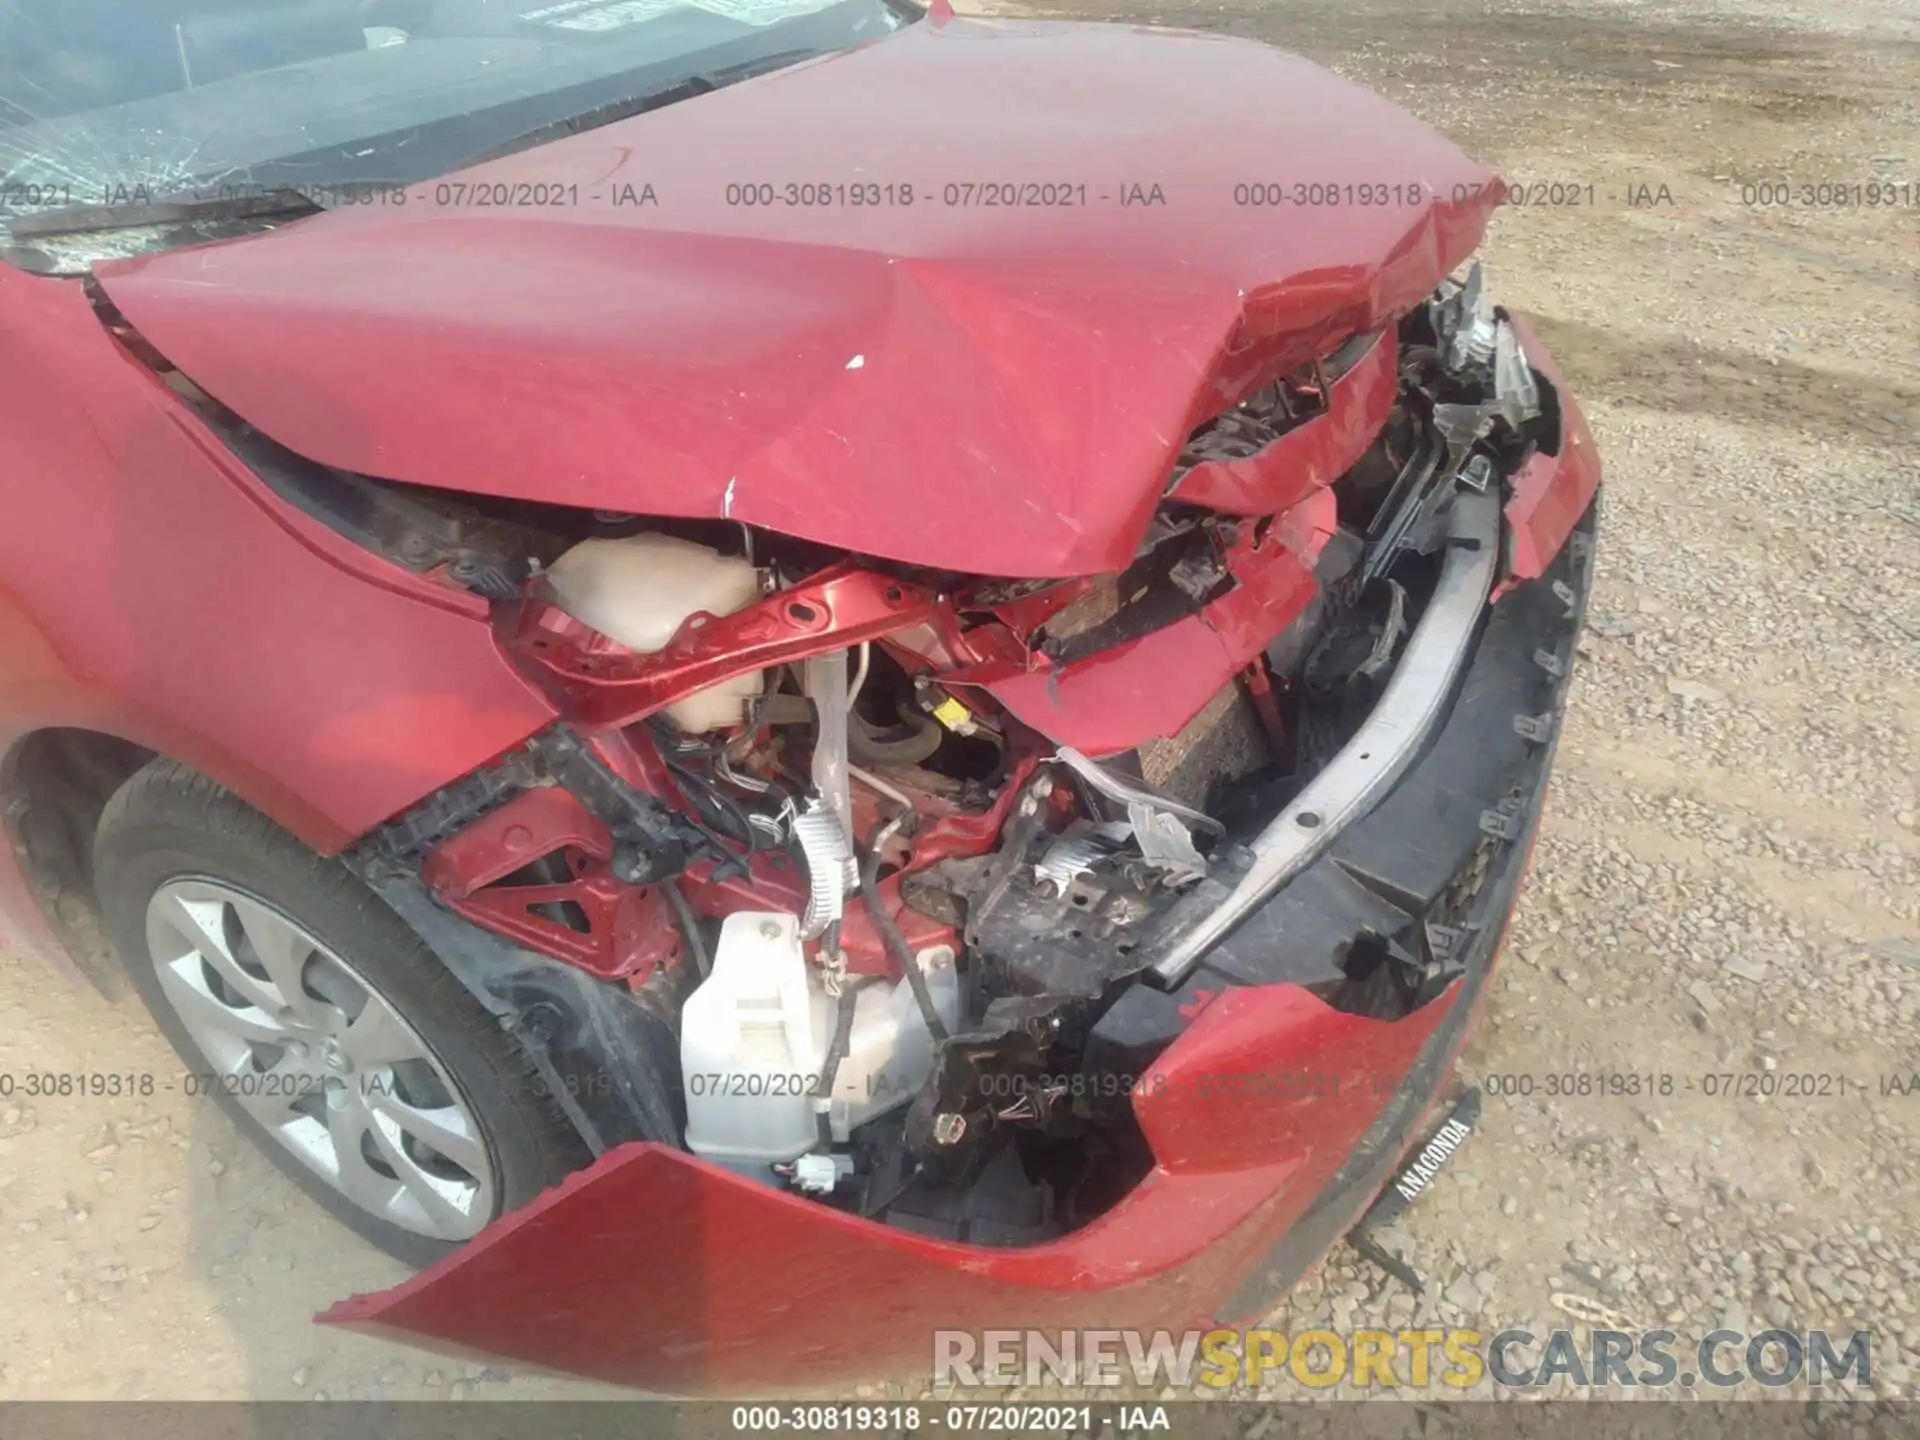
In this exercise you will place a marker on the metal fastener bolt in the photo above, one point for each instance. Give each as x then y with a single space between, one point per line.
770 929
948 1127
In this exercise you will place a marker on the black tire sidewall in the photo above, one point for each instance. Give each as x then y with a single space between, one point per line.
169 824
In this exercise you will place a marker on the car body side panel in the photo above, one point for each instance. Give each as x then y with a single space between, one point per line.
153 589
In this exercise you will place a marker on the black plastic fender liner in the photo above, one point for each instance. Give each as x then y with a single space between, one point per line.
609 1061
610 1064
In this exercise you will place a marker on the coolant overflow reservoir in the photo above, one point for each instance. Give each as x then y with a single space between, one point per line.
754 1038
638 591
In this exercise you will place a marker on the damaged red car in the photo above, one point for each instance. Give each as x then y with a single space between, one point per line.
759 675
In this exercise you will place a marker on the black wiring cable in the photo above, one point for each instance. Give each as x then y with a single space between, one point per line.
672 740
690 928
711 791
893 1196
837 1050
896 944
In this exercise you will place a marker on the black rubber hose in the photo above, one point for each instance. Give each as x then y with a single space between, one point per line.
896 944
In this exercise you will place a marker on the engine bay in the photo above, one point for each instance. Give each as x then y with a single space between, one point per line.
809 839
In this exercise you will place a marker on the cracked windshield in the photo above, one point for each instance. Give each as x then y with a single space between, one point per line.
128 125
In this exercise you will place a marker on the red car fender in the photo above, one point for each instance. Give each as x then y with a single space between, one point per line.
158 592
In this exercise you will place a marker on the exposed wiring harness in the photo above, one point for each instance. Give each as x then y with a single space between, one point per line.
720 809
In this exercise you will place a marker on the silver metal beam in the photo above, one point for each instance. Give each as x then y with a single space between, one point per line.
1380 752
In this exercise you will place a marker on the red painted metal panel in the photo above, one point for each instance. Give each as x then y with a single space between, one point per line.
162 594
1312 455
988 388
1154 685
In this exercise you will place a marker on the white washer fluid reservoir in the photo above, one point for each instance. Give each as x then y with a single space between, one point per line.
754 1037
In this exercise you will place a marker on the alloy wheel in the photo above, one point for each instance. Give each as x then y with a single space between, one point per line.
321 1059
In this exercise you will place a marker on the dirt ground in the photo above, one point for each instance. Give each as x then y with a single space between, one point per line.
1728 882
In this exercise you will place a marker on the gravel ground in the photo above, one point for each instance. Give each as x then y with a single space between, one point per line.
1728 881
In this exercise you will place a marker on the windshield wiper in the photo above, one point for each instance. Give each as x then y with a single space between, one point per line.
186 208
627 106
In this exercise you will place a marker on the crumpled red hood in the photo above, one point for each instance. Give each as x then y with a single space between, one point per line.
991 387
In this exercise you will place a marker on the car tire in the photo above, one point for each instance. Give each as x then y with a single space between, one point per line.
318 1020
